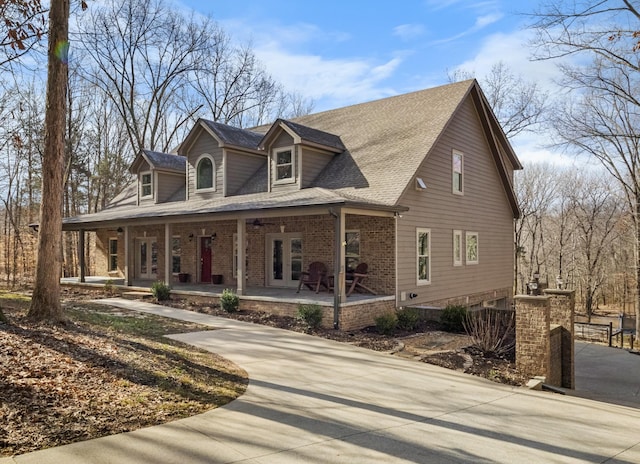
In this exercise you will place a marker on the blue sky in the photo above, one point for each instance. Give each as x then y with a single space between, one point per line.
351 51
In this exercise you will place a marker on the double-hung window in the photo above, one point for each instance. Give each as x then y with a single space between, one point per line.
457 168
423 237
146 184
352 250
113 254
285 165
175 255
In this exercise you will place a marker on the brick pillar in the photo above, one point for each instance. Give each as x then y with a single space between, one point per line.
562 313
533 345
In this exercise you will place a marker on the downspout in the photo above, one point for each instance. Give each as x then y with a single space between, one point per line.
336 270
395 241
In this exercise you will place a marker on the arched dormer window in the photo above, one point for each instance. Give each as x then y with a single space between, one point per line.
205 173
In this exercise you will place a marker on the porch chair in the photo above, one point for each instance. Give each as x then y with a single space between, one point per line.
315 276
354 280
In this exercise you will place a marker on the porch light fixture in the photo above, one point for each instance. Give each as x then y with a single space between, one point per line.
119 230
213 236
191 237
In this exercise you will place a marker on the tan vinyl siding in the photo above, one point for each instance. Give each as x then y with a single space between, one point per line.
484 208
205 144
313 163
240 168
168 184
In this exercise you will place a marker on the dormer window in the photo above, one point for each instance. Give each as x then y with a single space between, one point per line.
285 165
146 185
204 173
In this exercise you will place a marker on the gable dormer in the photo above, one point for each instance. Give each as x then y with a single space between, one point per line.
297 154
220 159
160 176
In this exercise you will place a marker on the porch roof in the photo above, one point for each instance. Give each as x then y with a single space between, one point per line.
130 211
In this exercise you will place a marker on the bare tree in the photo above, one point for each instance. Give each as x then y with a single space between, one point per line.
45 302
603 118
141 54
520 105
597 212
536 190
23 24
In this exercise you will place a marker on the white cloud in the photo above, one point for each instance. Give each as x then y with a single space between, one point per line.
408 31
331 82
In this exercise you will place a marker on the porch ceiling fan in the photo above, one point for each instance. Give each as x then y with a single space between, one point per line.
257 223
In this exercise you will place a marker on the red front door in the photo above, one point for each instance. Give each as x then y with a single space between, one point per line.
205 259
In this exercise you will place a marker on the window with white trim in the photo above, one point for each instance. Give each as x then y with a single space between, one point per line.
113 254
205 169
423 239
457 248
352 250
146 184
457 168
175 255
285 165
472 247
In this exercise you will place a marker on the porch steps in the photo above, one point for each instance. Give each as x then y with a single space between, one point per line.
137 295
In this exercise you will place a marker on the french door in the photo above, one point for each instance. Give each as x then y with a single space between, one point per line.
285 260
147 258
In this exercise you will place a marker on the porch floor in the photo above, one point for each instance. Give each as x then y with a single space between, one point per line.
273 294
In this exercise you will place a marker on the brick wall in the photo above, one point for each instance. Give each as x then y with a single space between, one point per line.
555 356
562 313
532 335
544 336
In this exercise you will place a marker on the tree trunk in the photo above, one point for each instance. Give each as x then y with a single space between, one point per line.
45 303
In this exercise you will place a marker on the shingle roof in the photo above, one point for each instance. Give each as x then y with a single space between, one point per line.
166 161
386 141
251 202
233 135
312 135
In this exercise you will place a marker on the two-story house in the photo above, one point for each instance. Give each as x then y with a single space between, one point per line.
417 186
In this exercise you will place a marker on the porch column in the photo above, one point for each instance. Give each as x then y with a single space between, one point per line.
127 274
168 248
81 252
242 231
339 291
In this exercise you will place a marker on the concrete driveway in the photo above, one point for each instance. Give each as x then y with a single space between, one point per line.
318 401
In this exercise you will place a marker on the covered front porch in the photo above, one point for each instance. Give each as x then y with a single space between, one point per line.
358 311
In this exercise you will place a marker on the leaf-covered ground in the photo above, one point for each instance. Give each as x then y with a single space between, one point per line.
104 372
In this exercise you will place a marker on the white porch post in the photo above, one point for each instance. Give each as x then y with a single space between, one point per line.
127 274
81 252
339 294
242 231
342 246
168 248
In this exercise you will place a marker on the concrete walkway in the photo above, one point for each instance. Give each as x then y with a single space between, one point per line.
317 401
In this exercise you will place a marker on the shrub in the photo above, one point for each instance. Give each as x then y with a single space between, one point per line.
311 315
408 319
452 318
386 324
109 289
492 331
160 291
229 301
